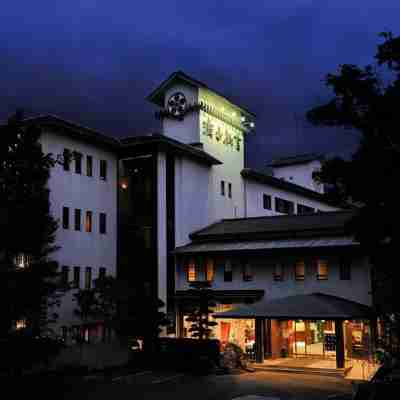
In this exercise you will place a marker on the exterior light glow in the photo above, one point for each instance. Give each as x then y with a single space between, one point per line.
233 114
252 125
243 119
124 184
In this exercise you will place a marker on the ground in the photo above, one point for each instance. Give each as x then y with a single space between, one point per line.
149 386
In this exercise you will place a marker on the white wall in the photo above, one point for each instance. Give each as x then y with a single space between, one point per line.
254 199
301 174
357 289
68 189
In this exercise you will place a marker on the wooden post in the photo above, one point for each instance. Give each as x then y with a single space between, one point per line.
260 340
339 343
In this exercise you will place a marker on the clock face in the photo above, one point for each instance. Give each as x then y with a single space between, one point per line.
176 104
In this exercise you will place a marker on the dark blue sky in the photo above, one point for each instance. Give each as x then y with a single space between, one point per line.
94 62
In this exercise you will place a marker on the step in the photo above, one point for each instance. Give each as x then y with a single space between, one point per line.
339 372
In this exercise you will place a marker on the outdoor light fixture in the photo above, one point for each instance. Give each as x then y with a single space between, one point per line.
124 183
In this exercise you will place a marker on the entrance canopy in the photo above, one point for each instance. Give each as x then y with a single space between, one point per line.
309 306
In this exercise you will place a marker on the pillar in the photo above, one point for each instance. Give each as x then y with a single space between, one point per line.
260 332
339 343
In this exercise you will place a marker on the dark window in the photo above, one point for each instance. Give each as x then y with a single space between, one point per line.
88 277
88 221
89 165
66 159
65 217
228 271
77 277
267 202
77 219
222 188
304 210
65 275
247 272
299 270
284 206
322 270
102 273
103 227
345 269
278 272
103 170
78 163
230 190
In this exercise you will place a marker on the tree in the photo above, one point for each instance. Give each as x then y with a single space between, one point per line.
28 288
366 101
199 316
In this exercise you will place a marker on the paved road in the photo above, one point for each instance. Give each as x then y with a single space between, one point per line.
151 386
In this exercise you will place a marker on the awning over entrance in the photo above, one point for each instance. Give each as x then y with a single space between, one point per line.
309 306
266 245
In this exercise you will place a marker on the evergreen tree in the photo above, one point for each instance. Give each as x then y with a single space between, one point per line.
28 284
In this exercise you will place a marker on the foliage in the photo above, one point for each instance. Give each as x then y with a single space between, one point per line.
200 311
366 101
28 227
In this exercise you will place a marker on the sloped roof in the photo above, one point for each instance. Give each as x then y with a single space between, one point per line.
157 95
283 226
306 306
297 159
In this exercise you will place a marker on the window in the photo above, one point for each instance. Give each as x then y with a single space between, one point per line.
77 219
103 227
322 270
222 188
78 163
88 221
64 275
89 165
345 269
228 271
20 324
284 206
230 190
22 260
103 170
299 270
102 273
304 210
88 277
65 218
191 271
210 271
66 159
77 277
278 272
267 202
247 273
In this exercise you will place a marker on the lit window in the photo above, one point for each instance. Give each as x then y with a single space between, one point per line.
222 188
22 260
77 277
299 270
230 190
88 221
191 271
89 165
278 272
88 277
228 271
20 324
77 219
210 271
345 269
247 272
103 170
322 270
267 202
103 224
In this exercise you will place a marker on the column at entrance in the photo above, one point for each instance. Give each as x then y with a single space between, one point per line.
340 360
260 333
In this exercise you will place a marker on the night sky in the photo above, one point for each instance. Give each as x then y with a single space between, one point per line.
95 61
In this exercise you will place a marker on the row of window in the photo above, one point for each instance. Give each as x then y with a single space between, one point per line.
285 206
68 155
88 220
197 271
223 189
76 278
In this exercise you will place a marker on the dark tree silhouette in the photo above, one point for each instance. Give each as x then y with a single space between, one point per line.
366 100
28 284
